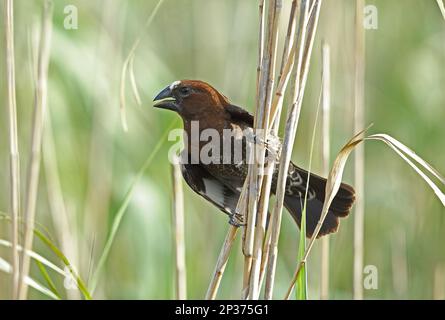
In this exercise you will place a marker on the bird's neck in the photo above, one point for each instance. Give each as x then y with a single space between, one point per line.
204 121
204 130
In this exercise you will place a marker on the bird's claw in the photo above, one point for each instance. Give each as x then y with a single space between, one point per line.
273 145
237 220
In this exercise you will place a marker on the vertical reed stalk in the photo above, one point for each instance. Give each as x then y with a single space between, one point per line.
287 62
439 282
263 202
289 37
59 213
254 185
221 263
308 24
226 248
178 224
253 202
359 165
326 105
40 103
14 159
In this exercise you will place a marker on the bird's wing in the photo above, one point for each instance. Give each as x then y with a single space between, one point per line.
237 113
212 189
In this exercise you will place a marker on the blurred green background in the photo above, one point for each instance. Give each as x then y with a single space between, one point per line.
216 41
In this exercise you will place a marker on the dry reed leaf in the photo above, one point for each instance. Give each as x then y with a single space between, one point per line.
335 177
14 156
123 109
441 7
133 83
128 66
405 153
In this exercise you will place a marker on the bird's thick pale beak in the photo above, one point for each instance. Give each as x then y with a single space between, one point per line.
166 100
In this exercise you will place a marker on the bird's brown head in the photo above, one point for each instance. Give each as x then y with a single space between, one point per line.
192 99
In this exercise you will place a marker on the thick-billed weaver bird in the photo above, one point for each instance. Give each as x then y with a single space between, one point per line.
201 108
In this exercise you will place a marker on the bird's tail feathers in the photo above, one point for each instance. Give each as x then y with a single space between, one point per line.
340 206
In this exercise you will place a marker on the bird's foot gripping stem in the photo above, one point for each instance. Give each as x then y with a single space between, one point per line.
237 220
271 143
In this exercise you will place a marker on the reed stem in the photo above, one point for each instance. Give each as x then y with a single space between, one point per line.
40 104
326 105
359 165
253 177
221 263
14 158
266 168
178 226
307 25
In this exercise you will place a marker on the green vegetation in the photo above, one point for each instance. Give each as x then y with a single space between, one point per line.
104 195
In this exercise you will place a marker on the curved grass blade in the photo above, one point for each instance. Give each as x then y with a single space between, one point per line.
48 279
384 137
79 282
128 66
332 185
405 153
335 177
7 268
38 258
441 7
123 207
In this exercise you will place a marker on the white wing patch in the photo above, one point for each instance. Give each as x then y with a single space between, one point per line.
214 189
210 188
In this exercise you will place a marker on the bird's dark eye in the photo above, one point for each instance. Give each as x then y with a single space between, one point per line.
184 91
